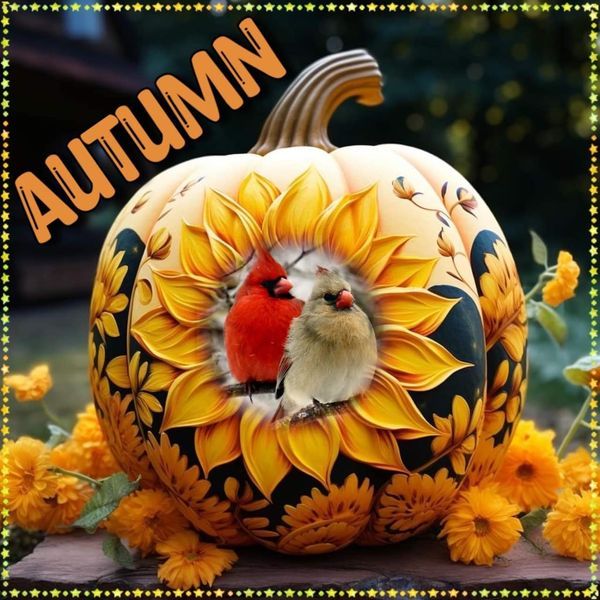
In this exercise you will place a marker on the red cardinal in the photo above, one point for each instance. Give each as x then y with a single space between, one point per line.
257 325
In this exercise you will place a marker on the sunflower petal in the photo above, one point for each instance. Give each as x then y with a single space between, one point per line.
406 271
367 444
160 378
194 399
379 255
196 253
256 194
218 444
165 338
387 405
418 362
187 297
312 447
118 372
265 462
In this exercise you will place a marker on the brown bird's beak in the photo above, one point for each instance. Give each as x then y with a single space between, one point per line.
344 300
283 287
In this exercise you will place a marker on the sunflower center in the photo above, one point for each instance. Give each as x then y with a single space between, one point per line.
525 471
482 526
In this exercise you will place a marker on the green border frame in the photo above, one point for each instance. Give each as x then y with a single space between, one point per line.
590 8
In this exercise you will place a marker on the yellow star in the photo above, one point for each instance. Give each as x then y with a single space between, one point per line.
392 7
331 7
351 7
179 7
97 7
433 7
117 8
219 7
75 7
157 7
412 8
138 7
372 7
453 7
34 7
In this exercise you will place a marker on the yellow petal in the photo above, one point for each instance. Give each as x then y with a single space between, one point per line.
461 415
347 226
416 309
419 363
379 255
144 290
165 338
118 372
196 399
187 297
218 444
110 324
226 220
387 405
160 378
196 253
256 194
291 219
513 340
312 447
367 444
406 271
265 462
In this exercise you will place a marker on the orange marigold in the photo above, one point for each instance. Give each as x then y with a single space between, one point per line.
563 285
31 387
576 469
191 562
29 480
480 525
567 526
530 474
145 518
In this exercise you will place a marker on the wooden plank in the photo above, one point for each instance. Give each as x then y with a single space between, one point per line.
77 560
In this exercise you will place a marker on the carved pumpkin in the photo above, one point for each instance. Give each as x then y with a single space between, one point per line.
449 311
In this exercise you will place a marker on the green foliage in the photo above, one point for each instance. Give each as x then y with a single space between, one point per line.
115 550
551 321
57 435
579 373
539 250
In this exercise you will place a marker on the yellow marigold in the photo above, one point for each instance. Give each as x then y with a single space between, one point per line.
145 518
530 474
94 455
31 387
480 525
576 469
563 285
65 505
567 526
29 480
191 562
527 432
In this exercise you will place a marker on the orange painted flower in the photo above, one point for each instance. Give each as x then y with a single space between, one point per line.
481 525
29 480
31 387
190 562
530 474
568 525
562 287
146 518
323 522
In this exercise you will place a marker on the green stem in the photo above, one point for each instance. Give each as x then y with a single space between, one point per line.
55 419
90 480
541 282
574 426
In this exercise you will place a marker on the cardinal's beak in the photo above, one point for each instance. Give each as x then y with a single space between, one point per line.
344 300
282 287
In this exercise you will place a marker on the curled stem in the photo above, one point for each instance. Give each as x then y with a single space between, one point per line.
53 417
93 482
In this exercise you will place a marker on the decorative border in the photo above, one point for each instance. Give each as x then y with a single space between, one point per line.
221 7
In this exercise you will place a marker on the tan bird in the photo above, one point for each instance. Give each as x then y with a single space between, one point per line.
331 350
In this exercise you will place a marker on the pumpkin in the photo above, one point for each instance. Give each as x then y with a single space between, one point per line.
451 326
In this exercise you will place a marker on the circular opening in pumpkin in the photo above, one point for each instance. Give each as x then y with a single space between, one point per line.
295 370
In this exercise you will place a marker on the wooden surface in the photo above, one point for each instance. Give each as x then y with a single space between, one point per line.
77 560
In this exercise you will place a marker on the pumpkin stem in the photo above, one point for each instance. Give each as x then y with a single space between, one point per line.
302 115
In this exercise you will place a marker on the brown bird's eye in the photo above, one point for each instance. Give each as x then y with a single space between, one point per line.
329 297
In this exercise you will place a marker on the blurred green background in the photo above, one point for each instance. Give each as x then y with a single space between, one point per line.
501 96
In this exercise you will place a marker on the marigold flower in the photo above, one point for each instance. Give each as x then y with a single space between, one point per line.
145 518
480 525
576 469
31 387
567 526
530 474
89 445
563 285
30 482
191 562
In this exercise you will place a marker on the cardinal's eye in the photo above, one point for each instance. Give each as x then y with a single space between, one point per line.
329 297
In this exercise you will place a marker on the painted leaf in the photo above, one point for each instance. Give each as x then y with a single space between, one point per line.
187 297
312 447
196 399
144 291
406 271
387 405
265 462
291 217
256 194
364 443
165 338
218 444
347 227
418 362
416 309
379 255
